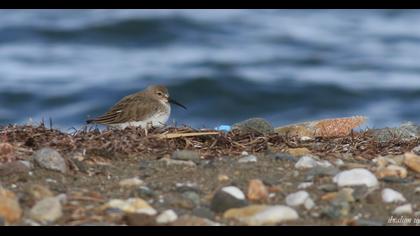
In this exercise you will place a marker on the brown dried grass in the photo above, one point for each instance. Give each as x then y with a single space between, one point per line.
133 142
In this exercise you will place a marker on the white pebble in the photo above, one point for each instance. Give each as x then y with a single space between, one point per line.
244 153
390 195
404 209
296 199
339 162
272 215
235 192
305 138
167 217
132 182
249 158
305 185
309 204
307 162
357 176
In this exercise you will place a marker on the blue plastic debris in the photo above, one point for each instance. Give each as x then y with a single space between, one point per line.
225 128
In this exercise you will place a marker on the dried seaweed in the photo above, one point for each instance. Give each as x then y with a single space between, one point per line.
210 143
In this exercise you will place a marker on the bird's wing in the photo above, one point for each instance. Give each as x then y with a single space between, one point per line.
130 108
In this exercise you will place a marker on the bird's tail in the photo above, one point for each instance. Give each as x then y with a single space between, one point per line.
90 121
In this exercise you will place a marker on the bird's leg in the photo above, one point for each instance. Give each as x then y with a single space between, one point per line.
148 126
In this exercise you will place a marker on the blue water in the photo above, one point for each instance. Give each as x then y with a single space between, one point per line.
224 65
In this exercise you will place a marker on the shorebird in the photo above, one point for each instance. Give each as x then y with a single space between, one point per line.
146 109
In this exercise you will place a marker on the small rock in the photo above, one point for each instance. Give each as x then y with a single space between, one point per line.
170 162
416 150
145 192
10 210
187 186
407 131
406 209
412 161
328 187
391 171
307 162
182 201
187 220
393 179
186 155
131 182
28 164
6 148
282 156
254 125
339 162
390 195
226 198
319 171
336 210
305 185
296 199
309 204
135 219
62 197
50 159
344 195
15 167
193 197
257 191
47 210
203 212
244 153
166 217
223 178
247 159
417 190
131 205
300 198
365 222
305 138
256 215
357 176
361 192
298 152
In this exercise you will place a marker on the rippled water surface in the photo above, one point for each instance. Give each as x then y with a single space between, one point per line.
224 65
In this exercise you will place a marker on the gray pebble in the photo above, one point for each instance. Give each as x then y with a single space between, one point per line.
365 222
328 187
186 155
203 212
145 192
282 156
193 196
319 171
248 159
223 201
50 159
254 125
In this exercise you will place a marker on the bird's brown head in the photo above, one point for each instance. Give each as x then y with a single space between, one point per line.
161 92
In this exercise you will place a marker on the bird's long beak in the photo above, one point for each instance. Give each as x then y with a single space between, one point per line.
176 103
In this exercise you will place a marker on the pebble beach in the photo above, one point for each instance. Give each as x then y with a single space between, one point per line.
251 175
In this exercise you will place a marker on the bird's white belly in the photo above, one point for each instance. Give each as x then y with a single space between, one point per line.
157 120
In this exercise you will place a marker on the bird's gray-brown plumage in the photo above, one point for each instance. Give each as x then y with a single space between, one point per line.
152 105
